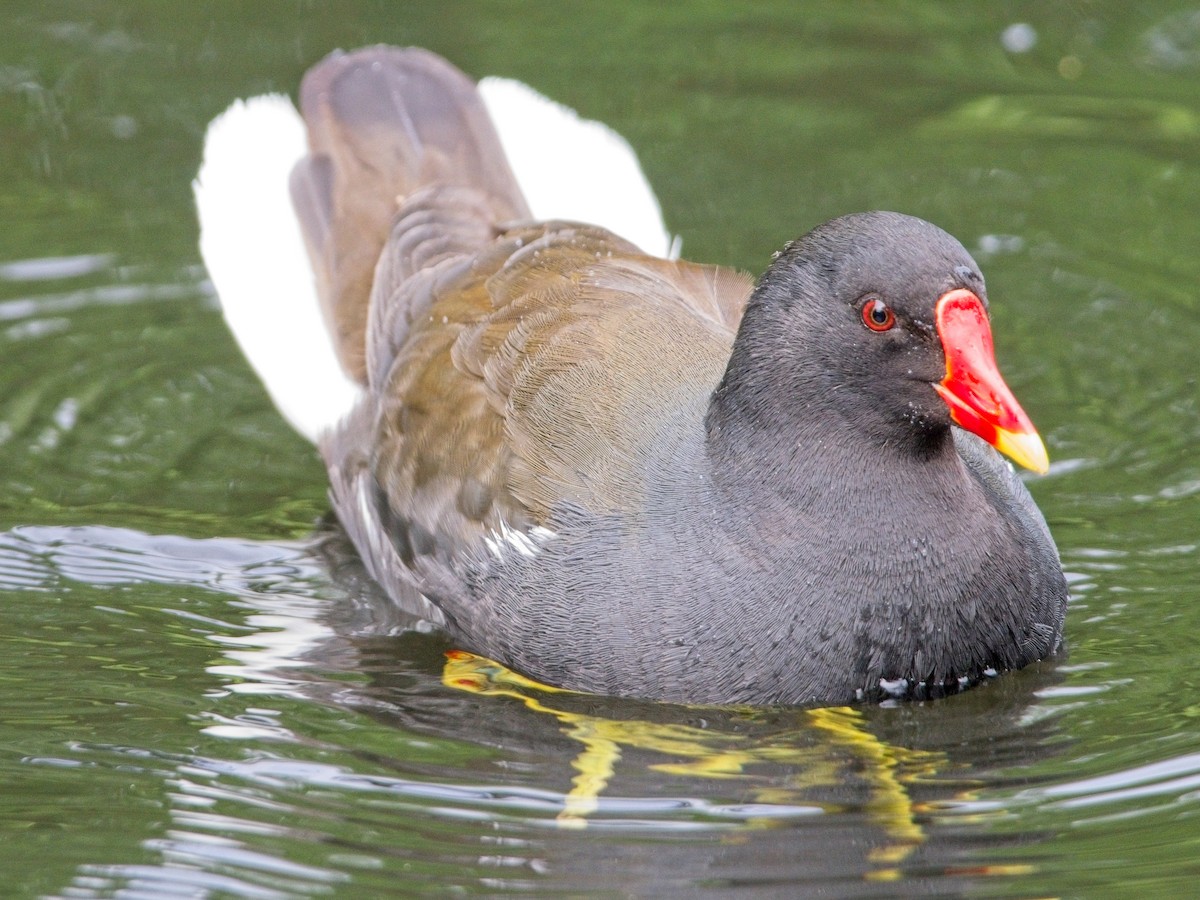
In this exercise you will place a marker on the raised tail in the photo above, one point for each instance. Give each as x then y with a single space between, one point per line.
567 167
384 123
256 261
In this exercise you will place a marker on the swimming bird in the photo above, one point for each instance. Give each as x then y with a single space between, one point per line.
623 473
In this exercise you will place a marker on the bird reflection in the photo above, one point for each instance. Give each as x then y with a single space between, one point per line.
826 745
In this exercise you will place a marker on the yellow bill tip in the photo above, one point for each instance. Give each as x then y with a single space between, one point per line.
1024 448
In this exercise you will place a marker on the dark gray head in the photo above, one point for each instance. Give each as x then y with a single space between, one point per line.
845 321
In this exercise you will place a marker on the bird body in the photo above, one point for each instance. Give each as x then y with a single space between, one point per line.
640 476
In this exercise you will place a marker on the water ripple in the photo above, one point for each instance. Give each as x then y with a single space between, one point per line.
1175 777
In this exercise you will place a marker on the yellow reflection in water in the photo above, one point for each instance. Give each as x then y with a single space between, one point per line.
712 754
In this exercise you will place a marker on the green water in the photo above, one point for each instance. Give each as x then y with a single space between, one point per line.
199 698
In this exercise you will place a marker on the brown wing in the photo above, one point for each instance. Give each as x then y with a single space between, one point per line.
540 371
510 368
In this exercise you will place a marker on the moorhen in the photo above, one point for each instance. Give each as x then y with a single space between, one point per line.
629 475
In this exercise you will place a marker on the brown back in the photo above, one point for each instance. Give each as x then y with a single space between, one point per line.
512 367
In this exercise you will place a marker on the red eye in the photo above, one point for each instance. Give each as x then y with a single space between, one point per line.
877 315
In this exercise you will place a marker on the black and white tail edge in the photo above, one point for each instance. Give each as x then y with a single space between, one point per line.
568 168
